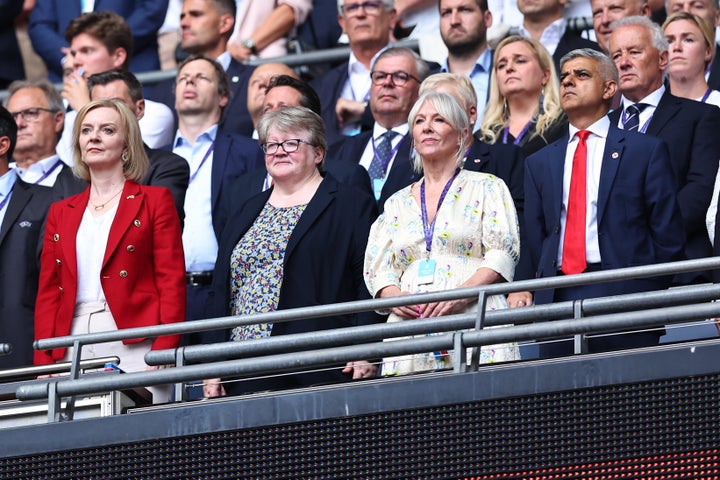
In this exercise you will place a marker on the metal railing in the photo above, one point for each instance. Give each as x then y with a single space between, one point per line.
654 311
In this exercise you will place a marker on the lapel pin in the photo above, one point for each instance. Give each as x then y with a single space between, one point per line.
25 224
235 79
477 160
129 197
615 155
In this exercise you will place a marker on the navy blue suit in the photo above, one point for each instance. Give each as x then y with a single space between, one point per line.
335 220
638 218
401 172
20 242
714 78
690 129
568 42
638 221
50 18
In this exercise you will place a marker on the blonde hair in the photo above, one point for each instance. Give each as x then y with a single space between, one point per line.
137 162
448 108
496 116
706 30
460 84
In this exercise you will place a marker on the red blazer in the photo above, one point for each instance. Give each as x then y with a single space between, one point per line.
143 272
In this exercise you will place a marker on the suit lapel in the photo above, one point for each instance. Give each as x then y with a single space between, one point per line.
221 151
555 159
20 197
401 173
665 111
324 195
612 156
127 213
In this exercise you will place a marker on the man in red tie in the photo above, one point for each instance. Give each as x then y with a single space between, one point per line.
601 198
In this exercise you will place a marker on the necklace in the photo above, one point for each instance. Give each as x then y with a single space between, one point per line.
100 206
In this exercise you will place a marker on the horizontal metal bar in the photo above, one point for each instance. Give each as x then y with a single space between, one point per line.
279 316
60 367
339 355
344 336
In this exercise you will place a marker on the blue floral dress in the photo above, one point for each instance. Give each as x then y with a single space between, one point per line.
476 226
256 267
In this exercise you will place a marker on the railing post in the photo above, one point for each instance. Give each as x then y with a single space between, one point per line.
580 344
460 353
180 391
74 374
53 403
479 323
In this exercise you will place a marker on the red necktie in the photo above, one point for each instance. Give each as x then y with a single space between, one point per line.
573 257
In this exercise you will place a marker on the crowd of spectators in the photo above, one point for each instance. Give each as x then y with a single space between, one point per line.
386 174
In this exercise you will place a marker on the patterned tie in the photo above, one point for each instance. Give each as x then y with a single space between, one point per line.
573 257
632 117
381 156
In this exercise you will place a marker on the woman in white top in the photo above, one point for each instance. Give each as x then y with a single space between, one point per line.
691 49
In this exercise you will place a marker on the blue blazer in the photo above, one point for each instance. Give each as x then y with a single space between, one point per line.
638 218
690 130
401 173
20 243
50 18
335 220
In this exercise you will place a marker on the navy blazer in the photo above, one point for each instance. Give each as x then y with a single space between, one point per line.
50 18
170 171
714 78
67 184
20 242
252 183
689 129
335 220
638 218
401 172
11 62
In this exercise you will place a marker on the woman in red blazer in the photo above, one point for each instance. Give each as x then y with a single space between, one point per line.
112 255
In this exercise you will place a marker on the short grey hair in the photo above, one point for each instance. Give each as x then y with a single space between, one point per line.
606 67
292 119
389 5
657 36
54 100
421 65
448 108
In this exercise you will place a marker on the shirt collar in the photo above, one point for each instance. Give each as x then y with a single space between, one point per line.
224 60
354 64
599 128
41 166
7 182
653 99
402 130
482 64
207 135
552 33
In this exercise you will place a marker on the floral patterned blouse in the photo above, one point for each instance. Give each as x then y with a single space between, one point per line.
256 267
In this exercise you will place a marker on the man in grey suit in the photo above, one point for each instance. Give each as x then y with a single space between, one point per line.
23 208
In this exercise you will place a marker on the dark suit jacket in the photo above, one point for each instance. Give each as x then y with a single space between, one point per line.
142 275
20 240
568 42
236 118
401 173
11 62
250 184
690 129
50 18
336 220
639 221
170 171
67 184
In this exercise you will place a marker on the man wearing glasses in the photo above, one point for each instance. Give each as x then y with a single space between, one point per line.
345 90
385 150
38 111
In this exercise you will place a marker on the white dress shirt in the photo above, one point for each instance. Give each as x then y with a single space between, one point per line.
43 172
199 242
551 35
595 149
368 153
651 103
357 87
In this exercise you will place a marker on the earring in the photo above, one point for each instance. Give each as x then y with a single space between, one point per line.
124 156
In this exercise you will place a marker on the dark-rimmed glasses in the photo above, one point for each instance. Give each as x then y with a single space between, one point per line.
398 78
30 114
370 8
289 146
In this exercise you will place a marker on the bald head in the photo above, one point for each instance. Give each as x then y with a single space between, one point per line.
258 83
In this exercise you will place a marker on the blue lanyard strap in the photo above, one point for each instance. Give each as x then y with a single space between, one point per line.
202 162
429 228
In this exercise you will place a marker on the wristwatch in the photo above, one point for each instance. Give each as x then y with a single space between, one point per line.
249 43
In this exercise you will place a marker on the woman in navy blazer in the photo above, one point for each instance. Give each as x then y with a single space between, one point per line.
300 243
112 255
